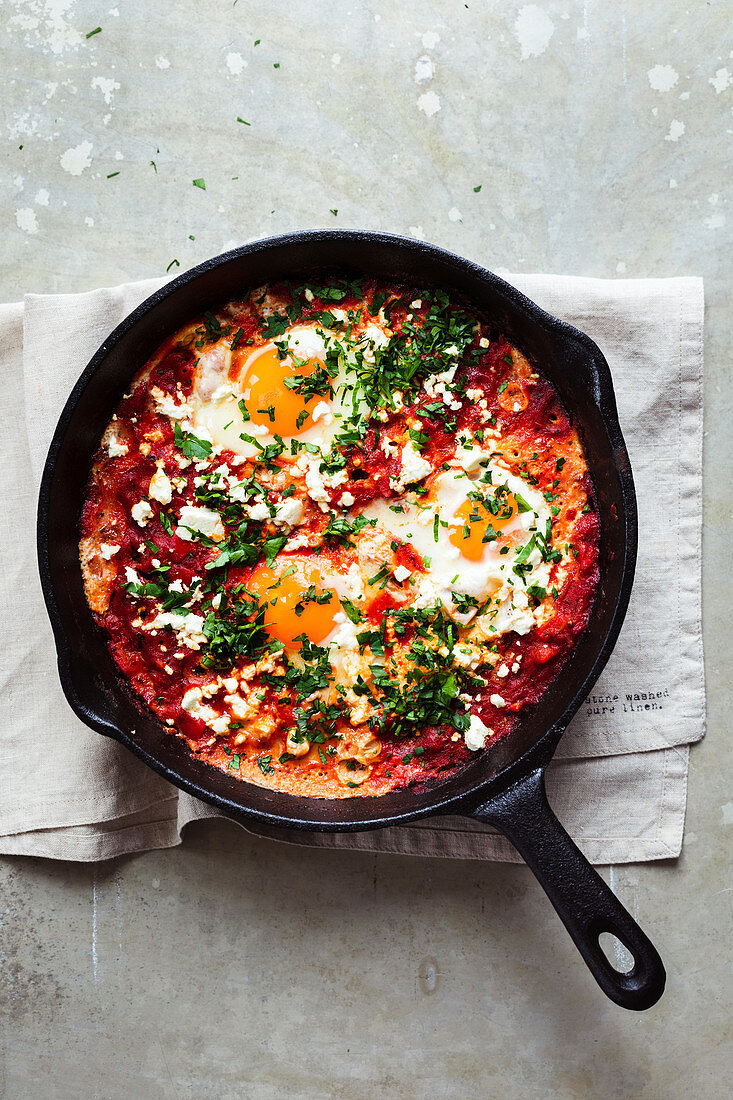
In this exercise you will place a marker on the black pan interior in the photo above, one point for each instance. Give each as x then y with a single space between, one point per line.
570 359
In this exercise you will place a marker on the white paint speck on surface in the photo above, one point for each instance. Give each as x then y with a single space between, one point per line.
162 62
429 103
621 268
89 222
418 232
716 220
676 130
235 63
684 96
672 185
721 81
727 811
336 60
663 78
26 219
42 197
76 159
534 29
424 70
430 40
454 214
107 86
48 26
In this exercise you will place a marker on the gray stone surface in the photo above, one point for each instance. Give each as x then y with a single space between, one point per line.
600 136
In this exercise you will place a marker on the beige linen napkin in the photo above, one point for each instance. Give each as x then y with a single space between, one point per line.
620 776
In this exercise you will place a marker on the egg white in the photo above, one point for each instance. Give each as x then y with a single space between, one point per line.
214 400
448 571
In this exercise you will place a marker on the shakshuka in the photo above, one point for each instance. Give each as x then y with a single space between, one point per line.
338 536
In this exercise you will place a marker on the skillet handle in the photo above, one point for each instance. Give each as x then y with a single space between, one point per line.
582 900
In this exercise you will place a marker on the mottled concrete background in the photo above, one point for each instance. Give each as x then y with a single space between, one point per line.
563 136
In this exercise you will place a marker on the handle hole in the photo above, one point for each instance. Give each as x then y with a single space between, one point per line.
618 955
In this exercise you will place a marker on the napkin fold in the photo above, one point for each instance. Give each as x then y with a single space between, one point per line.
619 778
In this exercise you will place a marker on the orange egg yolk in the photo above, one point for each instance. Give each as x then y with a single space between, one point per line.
294 603
267 398
474 520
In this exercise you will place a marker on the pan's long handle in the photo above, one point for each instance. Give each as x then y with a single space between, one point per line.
583 901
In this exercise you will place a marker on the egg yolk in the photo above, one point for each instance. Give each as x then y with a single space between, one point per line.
294 603
474 519
267 398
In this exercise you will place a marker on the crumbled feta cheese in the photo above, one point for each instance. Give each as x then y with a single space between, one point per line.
476 734
141 513
483 342
258 512
203 520
354 581
187 628
108 550
191 698
470 459
322 411
401 574
414 466
160 487
316 487
115 449
317 483
288 512
308 294
502 671
221 393
497 701
240 707
438 383
131 576
346 500
166 406
417 304
467 656
191 703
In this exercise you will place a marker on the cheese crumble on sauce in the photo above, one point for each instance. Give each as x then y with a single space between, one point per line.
338 536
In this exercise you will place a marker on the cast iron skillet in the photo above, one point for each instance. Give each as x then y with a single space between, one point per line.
505 786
